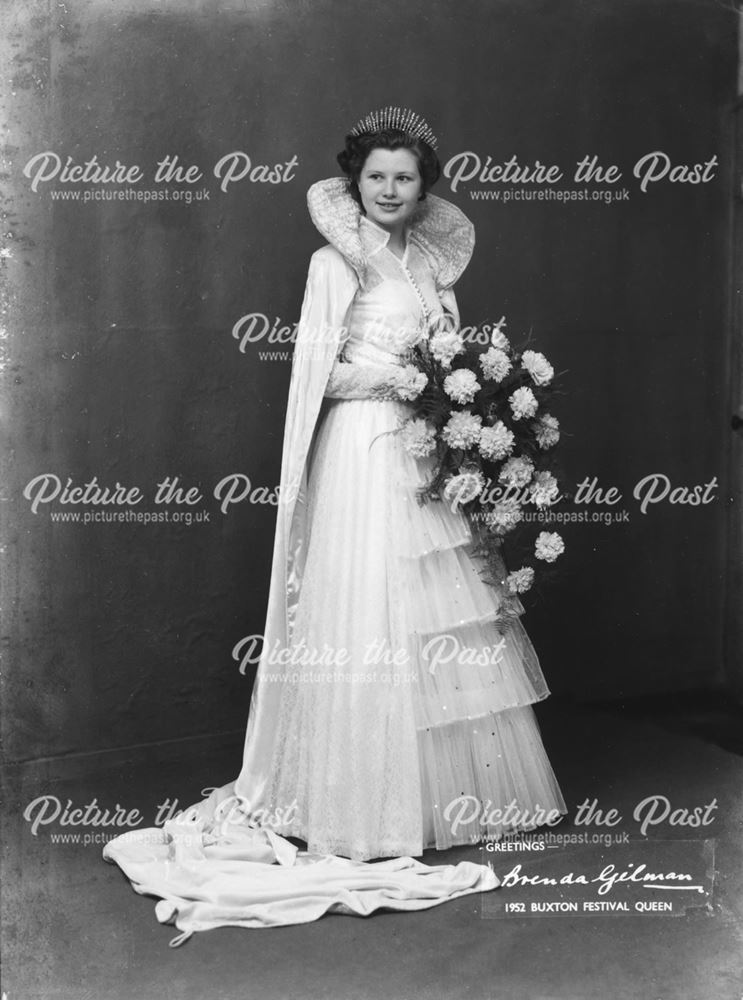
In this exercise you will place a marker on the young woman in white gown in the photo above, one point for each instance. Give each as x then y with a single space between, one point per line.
389 715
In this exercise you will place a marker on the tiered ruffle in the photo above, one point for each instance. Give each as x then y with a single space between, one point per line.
480 751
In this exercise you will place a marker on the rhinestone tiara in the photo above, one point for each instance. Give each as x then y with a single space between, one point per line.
400 118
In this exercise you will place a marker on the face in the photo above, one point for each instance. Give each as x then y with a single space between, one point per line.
389 185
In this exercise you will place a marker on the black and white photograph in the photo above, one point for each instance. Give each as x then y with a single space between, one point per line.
372 500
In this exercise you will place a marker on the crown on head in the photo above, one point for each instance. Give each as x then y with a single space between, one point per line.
399 118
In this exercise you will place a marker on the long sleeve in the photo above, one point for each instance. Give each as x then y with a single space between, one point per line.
368 381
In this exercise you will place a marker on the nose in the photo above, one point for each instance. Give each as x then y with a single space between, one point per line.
389 189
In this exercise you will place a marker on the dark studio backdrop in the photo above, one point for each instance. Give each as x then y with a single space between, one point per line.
123 366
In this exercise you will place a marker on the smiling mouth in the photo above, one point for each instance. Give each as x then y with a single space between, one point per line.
389 204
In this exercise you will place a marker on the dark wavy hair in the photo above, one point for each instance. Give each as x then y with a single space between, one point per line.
358 147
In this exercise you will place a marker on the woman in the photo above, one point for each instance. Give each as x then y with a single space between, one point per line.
388 715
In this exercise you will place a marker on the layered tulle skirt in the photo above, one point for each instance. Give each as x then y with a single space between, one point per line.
405 715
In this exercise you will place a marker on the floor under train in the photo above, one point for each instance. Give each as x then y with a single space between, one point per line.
74 928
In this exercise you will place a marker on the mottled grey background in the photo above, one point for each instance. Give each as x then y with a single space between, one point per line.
122 364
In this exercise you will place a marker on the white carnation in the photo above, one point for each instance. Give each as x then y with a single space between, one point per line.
547 430
462 430
418 437
523 403
445 345
495 364
504 516
412 382
538 366
516 472
520 580
544 489
461 385
496 442
548 546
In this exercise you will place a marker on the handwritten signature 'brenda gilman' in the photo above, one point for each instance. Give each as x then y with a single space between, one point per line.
607 879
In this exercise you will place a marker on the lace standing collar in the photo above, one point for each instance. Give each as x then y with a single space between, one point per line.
438 227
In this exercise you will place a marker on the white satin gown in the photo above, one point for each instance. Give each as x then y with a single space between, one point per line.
406 720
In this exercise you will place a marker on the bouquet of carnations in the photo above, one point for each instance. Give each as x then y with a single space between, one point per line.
482 414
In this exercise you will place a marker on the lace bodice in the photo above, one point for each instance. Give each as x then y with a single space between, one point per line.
397 306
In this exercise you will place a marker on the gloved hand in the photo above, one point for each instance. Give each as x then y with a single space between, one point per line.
374 381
